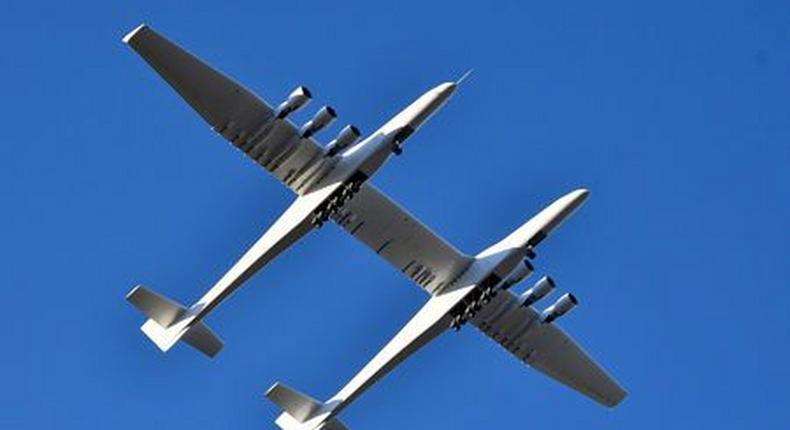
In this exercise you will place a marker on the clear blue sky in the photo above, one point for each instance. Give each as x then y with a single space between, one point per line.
676 115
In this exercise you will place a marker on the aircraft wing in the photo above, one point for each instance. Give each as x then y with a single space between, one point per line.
250 125
401 239
547 348
231 110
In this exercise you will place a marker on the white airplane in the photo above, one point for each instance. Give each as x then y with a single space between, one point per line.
332 183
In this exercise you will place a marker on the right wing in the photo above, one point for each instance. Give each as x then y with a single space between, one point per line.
401 239
546 348
233 111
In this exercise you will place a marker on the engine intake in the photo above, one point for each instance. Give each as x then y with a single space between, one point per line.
518 274
296 100
322 118
559 308
347 136
541 289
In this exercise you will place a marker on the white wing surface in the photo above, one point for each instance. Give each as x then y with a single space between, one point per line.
233 111
547 348
401 239
249 123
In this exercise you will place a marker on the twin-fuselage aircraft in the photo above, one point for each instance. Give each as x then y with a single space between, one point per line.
332 183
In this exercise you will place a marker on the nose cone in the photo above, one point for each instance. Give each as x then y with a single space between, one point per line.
446 89
441 93
580 195
431 102
420 111
571 201
554 214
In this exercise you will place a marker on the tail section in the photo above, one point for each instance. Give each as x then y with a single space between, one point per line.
302 412
168 322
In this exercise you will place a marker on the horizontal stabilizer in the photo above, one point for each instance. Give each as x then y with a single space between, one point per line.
169 321
202 338
298 405
155 306
302 412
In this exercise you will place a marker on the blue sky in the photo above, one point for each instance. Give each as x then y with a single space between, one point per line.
676 115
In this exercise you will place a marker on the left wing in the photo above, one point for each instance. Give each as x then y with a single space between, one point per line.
249 123
547 348
231 110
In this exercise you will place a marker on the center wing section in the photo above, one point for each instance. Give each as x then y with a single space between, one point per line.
547 348
401 239
231 110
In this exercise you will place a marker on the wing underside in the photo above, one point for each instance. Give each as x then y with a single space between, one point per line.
401 239
235 112
547 348
248 122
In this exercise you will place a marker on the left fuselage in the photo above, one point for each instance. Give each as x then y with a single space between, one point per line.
355 165
364 159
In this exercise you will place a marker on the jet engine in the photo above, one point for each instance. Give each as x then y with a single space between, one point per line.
559 308
322 118
518 274
296 100
541 289
344 139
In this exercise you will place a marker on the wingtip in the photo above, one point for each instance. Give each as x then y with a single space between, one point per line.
615 402
132 292
270 392
130 35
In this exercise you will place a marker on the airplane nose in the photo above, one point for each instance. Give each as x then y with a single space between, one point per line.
576 198
440 94
417 113
447 89
582 194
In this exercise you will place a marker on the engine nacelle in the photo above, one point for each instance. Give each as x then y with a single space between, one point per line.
559 308
322 118
541 289
518 274
296 100
347 136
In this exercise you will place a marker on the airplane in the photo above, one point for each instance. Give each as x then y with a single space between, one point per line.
332 182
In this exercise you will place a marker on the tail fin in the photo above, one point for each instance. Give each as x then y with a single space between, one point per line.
302 412
168 322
